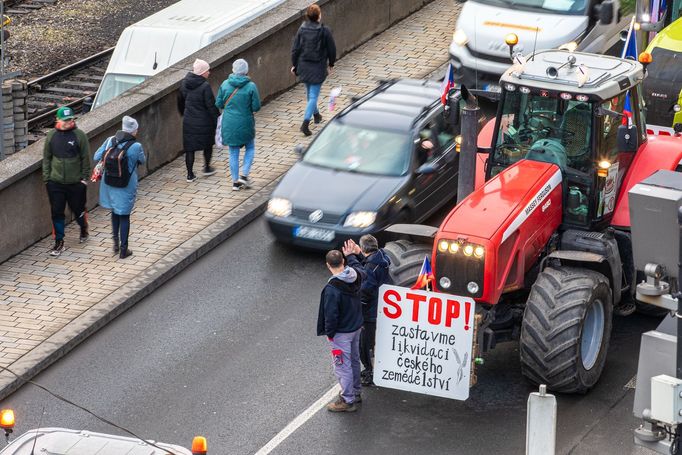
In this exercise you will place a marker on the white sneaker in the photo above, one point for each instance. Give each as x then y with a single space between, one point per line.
244 180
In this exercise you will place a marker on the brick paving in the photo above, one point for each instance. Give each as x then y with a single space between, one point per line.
39 294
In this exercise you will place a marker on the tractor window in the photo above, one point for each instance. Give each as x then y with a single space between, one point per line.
608 148
543 129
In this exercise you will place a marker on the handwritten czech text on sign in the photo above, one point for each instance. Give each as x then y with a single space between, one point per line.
424 342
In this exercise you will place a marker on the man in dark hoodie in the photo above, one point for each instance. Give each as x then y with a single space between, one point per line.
340 319
375 264
66 170
196 104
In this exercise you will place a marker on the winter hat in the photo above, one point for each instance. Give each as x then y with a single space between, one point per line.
200 67
129 124
240 67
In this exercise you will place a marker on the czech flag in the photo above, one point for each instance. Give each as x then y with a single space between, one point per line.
426 278
629 52
448 83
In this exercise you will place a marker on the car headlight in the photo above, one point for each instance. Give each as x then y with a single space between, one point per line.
459 37
278 206
360 219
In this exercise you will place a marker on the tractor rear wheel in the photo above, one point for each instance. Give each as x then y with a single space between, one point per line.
406 260
566 329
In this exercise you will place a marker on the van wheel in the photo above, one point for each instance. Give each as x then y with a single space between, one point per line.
406 260
566 329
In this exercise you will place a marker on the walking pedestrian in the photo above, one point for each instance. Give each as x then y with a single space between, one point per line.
375 263
66 169
340 319
196 104
313 55
238 97
121 154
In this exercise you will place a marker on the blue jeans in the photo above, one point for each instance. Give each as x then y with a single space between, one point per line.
248 159
312 93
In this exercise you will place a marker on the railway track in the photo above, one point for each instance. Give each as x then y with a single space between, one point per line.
68 86
25 6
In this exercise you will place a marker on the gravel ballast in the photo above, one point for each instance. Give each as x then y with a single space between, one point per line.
58 35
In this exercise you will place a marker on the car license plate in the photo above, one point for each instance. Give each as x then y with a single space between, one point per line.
323 235
492 88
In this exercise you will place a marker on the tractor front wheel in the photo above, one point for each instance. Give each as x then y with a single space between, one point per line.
406 260
566 329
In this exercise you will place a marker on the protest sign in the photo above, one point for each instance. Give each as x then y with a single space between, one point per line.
424 342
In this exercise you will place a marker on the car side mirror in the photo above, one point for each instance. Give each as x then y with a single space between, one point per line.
628 139
605 12
299 149
427 168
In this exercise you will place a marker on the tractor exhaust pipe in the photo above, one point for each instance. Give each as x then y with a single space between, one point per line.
469 147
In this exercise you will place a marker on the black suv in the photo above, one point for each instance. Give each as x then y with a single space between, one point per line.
388 158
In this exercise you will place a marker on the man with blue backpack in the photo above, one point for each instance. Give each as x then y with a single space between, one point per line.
120 155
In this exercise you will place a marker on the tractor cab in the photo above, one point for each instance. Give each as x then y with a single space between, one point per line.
578 111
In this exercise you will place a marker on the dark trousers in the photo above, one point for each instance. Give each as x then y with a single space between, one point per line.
189 159
120 227
369 331
73 194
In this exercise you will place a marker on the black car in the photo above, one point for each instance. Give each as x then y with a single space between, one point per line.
388 158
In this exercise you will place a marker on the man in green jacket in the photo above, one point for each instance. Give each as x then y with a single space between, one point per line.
66 169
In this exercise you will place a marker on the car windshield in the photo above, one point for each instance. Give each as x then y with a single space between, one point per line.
543 128
356 149
115 84
573 7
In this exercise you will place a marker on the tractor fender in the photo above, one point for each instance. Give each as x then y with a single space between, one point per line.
658 152
597 251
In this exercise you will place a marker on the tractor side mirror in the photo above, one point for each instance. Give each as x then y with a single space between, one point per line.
452 108
427 168
628 140
605 12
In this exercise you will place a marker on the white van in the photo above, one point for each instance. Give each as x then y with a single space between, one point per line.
480 55
164 38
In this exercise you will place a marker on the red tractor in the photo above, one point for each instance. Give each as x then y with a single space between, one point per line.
543 243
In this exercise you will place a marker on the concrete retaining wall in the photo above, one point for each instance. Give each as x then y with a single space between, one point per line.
265 44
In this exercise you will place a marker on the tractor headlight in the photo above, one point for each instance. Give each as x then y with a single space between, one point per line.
443 246
479 251
459 37
278 206
468 250
454 247
360 219
445 282
472 287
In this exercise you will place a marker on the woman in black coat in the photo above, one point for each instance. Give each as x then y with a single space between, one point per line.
312 53
196 104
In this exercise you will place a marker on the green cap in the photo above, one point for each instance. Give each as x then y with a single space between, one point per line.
65 113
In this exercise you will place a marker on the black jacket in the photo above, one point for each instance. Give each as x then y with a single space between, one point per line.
376 273
313 50
196 104
340 307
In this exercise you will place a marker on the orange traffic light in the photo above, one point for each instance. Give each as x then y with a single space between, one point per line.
645 58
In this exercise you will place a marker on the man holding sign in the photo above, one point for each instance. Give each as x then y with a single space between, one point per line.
340 319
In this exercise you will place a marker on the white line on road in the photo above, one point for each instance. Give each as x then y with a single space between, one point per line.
299 420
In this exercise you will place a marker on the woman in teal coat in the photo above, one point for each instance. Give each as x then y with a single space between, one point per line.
238 98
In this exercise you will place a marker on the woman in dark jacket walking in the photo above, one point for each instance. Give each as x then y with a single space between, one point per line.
312 52
196 104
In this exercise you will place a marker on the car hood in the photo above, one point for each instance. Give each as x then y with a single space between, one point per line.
487 25
332 191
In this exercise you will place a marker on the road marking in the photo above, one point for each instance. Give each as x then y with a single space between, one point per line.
299 420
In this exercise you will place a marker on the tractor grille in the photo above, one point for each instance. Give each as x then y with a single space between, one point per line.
461 270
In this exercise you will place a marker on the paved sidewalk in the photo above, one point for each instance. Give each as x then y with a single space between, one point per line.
48 305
